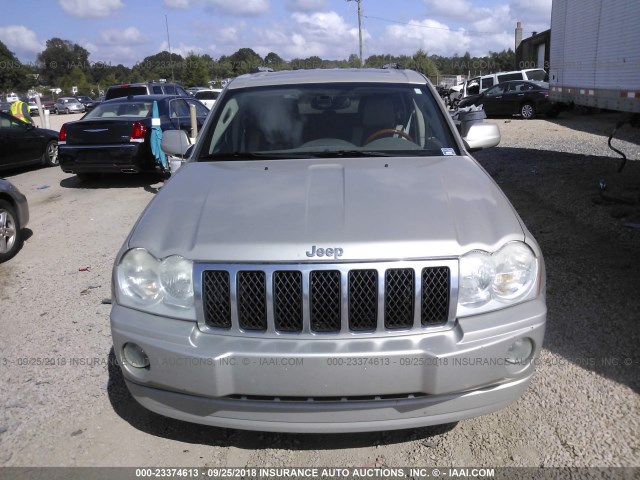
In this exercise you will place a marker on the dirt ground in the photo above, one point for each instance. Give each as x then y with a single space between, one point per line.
65 404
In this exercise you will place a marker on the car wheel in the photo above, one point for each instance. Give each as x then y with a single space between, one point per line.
528 111
10 233
67 112
50 155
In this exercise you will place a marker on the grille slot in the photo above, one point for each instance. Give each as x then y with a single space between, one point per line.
435 295
363 300
252 301
216 298
324 288
287 300
399 298
307 299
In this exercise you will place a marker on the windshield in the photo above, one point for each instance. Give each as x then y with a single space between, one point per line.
327 120
137 109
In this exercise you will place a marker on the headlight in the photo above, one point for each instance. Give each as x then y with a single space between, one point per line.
164 287
488 281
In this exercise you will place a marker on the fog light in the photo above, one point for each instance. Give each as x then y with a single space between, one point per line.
519 352
134 356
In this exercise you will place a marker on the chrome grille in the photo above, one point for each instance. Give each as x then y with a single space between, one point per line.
435 298
398 298
287 305
315 299
325 300
363 300
252 301
215 291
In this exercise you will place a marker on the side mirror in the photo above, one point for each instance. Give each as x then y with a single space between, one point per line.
482 135
175 143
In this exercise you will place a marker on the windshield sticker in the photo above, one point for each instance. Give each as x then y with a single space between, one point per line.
418 91
448 151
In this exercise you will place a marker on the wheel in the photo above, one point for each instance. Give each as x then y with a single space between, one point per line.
66 111
528 111
50 155
10 232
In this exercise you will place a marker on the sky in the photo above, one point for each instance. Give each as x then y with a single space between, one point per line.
127 31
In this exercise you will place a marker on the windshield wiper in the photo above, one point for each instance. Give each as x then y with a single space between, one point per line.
347 153
248 156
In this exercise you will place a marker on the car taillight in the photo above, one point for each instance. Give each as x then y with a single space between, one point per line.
138 132
62 136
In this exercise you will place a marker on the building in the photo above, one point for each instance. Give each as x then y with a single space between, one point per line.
532 52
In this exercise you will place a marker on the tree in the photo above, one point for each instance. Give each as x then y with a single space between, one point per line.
274 61
160 65
194 71
245 60
423 64
59 58
75 78
13 75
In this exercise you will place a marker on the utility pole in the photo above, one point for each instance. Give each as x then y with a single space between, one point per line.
166 21
359 28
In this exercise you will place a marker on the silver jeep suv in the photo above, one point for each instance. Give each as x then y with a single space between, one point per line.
329 258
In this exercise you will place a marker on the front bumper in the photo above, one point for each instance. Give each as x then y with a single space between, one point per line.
350 384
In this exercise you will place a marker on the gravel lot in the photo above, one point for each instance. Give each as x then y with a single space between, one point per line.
63 405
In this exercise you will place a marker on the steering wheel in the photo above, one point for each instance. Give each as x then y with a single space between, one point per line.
388 131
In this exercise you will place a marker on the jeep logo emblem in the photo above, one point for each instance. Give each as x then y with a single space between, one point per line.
325 252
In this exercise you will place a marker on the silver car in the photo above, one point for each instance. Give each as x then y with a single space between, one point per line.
330 258
14 216
69 105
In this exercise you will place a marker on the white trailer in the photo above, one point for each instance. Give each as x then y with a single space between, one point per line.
595 54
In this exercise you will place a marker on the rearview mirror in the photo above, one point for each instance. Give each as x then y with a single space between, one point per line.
175 143
482 135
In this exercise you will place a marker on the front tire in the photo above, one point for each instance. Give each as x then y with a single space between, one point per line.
50 155
10 231
528 111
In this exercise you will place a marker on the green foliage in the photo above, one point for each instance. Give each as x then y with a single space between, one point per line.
59 58
14 77
65 64
194 71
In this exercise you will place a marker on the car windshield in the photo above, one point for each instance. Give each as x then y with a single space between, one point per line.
139 109
327 120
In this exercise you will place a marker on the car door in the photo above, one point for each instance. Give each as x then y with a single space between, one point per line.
19 142
492 100
514 96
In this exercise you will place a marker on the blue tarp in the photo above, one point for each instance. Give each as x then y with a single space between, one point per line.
156 138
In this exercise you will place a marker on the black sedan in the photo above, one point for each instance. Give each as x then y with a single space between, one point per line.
515 97
88 102
25 144
116 135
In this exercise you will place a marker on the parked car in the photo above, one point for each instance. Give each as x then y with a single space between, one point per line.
149 88
192 90
115 136
516 97
14 216
329 258
68 105
48 104
25 144
479 84
208 97
88 102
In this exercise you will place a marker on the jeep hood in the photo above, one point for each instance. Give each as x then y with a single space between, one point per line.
371 208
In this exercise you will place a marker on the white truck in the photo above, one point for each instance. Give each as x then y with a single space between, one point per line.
595 54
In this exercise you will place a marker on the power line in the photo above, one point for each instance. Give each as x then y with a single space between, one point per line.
418 25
